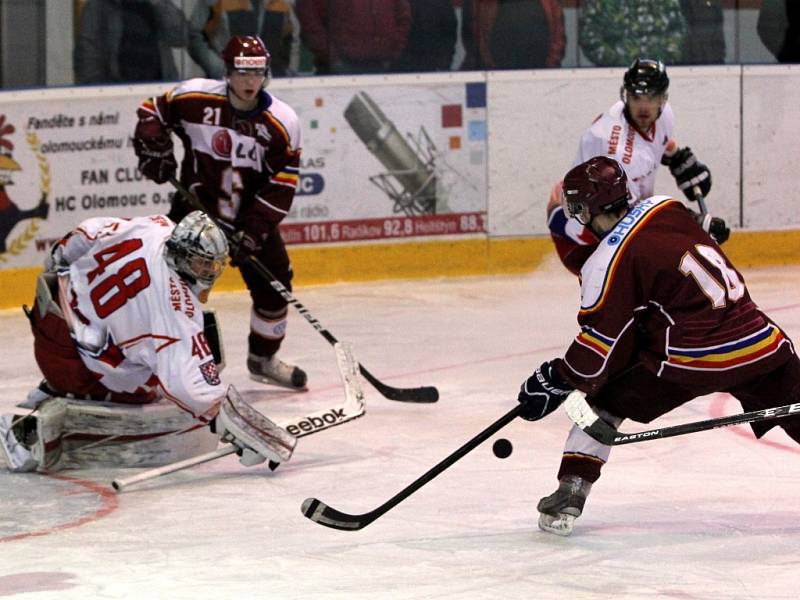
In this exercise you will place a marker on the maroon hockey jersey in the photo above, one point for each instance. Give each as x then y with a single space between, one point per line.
658 291
244 167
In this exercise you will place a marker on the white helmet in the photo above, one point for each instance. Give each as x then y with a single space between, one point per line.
197 250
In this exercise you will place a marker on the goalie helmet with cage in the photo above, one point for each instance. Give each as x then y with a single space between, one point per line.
197 250
594 187
246 53
645 76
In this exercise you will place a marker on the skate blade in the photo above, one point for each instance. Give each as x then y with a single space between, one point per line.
276 383
561 525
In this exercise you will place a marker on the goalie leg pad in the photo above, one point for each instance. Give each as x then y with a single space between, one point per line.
14 432
110 434
255 435
32 443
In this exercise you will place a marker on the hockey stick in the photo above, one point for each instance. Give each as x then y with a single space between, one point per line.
701 201
321 513
584 417
424 394
352 408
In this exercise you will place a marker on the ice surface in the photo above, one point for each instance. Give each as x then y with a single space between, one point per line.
710 515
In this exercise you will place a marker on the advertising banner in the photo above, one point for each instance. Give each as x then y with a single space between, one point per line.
379 162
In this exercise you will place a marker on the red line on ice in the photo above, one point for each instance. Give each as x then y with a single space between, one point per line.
109 504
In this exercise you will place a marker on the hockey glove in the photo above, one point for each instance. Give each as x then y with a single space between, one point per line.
156 160
542 392
689 173
243 245
714 226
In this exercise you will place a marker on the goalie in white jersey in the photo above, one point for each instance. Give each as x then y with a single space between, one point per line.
637 131
117 319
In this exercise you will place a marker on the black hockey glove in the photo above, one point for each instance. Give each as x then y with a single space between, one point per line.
689 172
542 392
714 226
243 245
156 160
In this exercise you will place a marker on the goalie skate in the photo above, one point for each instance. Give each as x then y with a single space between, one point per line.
560 509
274 371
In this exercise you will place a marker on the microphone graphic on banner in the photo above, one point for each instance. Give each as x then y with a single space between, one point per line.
412 175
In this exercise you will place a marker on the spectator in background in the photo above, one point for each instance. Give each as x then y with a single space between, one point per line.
128 40
517 34
470 62
432 38
779 29
705 39
614 32
354 36
213 22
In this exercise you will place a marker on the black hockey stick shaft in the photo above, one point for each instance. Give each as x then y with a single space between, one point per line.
584 417
321 513
424 394
740 419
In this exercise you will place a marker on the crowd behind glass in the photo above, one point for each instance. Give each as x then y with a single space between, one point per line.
118 41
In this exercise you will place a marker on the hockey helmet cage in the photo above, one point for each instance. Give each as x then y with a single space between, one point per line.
197 250
646 76
246 53
596 186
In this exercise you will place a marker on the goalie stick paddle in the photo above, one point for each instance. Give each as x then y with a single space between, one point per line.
352 408
584 417
321 513
423 395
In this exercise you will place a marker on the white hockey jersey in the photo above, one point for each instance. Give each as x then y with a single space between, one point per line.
639 153
135 323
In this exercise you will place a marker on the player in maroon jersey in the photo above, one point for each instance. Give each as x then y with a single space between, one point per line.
664 318
241 159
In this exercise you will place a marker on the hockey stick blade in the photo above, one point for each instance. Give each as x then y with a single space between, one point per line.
421 395
319 512
584 417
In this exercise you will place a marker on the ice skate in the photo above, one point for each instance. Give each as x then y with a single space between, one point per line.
560 509
38 395
15 440
272 370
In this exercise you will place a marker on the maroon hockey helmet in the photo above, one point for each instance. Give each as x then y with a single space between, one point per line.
596 186
246 53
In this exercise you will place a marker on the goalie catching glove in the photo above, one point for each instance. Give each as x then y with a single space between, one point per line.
688 172
542 392
256 438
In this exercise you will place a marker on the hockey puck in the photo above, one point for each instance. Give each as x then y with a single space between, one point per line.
502 448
